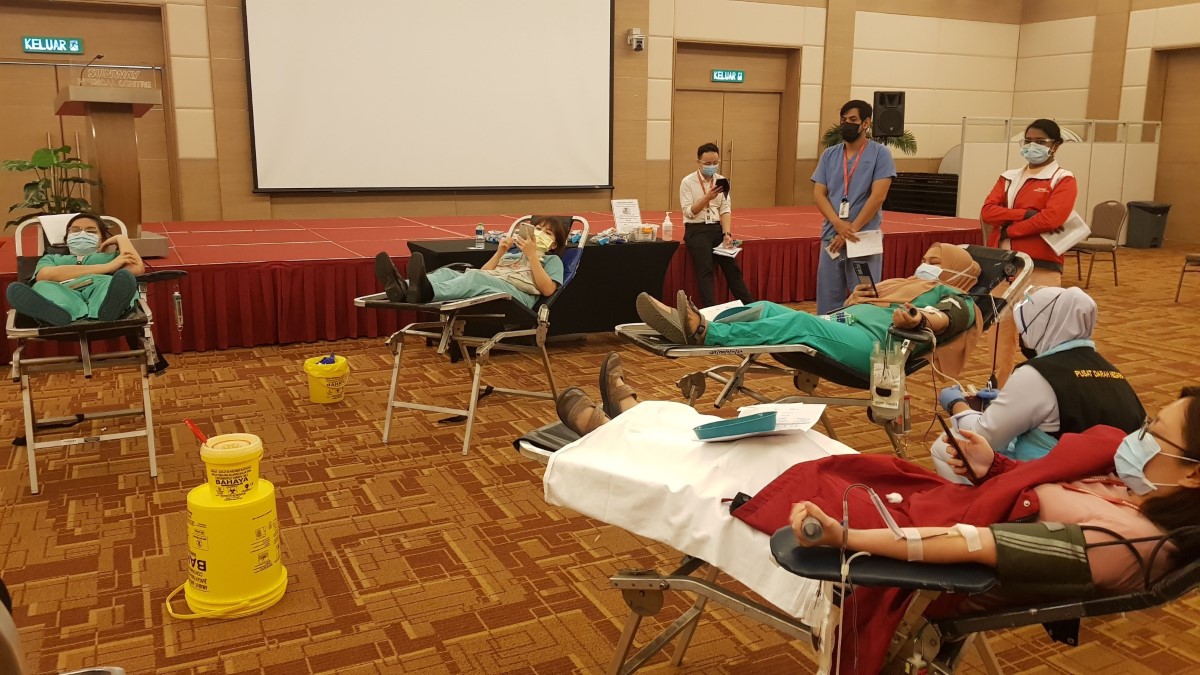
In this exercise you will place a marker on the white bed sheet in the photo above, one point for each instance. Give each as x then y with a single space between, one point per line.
646 473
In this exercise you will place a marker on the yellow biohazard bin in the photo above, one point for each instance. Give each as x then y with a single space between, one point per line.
235 567
327 381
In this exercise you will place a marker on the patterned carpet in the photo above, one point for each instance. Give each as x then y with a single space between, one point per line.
409 557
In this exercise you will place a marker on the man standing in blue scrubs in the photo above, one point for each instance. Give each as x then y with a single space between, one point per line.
849 186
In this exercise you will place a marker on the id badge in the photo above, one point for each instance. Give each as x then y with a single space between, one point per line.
844 209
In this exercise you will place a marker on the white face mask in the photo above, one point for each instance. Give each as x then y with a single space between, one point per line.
1035 154
83 243
928 272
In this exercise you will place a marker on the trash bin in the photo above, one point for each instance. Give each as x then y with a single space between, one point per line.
1147 224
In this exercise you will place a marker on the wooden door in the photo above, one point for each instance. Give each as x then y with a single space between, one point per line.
697 119
1179 146
749 151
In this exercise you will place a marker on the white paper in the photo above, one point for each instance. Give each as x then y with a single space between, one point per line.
789 417
1072 232
627 214
869 243
710 313
727 252
832 253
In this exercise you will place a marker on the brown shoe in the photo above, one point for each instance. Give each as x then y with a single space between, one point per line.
613 389
579 413
681 325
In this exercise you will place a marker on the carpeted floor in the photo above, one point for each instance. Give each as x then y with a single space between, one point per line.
411 558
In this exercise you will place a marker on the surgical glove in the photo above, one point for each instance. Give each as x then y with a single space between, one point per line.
949 396
989 394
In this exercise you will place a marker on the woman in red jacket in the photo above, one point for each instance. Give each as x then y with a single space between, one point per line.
1026 203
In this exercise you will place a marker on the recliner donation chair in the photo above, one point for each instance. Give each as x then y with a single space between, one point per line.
943 643
510 325
808 367
135 327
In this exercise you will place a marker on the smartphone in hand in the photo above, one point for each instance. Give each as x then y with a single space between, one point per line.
954 444
723 183
525 230
863 272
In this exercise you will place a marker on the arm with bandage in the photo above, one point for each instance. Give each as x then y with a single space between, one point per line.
961 543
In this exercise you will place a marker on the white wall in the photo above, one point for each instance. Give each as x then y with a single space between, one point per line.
1150 29
948 68
1054 64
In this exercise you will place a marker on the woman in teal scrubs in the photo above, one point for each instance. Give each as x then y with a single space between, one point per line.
87 283
934 299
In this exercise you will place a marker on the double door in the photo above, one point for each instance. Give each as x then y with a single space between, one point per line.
746 128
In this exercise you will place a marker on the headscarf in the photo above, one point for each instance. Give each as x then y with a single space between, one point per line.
1051 316
960 271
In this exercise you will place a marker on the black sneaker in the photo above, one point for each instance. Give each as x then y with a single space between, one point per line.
420 291
122 288
393 284
30 303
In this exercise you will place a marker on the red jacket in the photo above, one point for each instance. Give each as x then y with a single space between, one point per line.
1054 204
1005 495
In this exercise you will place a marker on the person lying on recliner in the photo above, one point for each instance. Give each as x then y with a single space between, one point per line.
933 299
532 272
95 280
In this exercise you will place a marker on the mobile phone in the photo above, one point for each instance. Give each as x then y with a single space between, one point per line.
954 444
723 183
525 230
76 284
863 272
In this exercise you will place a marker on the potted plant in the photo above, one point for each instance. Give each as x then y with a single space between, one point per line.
54 189
906 143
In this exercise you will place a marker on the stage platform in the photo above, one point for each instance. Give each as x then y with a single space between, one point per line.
263 282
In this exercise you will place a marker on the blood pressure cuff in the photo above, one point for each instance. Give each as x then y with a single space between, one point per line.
1042 561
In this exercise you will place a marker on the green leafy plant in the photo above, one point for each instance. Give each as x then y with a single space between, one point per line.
55 189
906 143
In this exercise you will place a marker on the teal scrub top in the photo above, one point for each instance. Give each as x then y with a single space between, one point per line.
58 260
877 320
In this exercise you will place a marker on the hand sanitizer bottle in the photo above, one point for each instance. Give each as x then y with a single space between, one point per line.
667 228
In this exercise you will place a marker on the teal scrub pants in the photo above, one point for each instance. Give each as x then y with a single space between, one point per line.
82 303
849 344
449 284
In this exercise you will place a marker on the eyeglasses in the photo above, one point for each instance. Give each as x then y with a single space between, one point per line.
1044 142
1146 430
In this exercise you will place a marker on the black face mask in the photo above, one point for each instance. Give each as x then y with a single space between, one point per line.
1027 352
850 131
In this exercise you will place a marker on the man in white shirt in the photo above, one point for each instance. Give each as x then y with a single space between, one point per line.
706 217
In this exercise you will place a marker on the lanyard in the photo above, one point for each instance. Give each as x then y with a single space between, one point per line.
848 171
1102 481
706 189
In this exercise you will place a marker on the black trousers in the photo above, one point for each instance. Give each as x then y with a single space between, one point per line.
701 239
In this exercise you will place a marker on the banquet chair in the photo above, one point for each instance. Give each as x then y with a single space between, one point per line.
1108 222
485 324
1191 263
135 327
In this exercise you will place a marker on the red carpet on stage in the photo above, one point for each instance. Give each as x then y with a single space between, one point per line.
262 282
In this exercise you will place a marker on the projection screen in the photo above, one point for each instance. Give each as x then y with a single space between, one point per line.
421 94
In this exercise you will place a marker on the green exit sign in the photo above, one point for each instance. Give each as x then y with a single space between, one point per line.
737 76
34 44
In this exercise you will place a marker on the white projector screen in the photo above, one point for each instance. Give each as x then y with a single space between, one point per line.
430 94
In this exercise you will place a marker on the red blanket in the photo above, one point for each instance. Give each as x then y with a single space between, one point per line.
928 500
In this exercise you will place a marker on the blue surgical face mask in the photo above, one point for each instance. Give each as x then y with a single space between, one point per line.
709 170
1134 453
1035 154
83 243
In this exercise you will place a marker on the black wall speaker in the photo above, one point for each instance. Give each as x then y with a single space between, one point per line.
889 114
